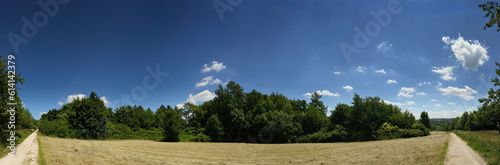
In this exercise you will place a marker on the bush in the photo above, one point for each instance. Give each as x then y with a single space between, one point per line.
58 128
387 131
337 135
421 127
200 137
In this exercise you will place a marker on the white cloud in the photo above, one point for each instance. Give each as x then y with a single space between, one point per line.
348 88
465 93
106 102
380 71
400 104
406 92
323 93
439 84
433 100
361 69
424 83
41 113
445 72
470 53
70 98
200 97
215 66
451 103
208 81
421 93
337 73
391 81
424 106
438 105
384 46
444 114
395 103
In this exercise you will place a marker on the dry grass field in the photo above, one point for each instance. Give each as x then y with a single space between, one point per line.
421 150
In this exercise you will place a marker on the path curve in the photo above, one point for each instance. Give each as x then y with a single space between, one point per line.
460 153
26 152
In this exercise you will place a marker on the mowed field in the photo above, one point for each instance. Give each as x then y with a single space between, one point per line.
420 150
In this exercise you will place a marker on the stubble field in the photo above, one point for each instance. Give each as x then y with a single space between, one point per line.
420 150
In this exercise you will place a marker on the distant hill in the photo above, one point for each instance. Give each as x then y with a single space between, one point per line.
441 121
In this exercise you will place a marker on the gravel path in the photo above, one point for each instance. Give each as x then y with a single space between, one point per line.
460 153
26 152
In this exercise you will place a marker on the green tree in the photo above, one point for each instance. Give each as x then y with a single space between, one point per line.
214 129
491 104
424 119
492 10
172 126
88 116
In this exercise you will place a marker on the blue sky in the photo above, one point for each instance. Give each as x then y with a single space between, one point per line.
430 55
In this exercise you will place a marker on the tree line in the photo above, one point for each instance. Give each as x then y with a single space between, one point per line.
486 117
236 116
23 118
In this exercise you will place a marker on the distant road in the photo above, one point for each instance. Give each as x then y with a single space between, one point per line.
26 152
460 153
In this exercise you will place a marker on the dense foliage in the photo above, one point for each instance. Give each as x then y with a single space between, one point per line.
236 116
23 118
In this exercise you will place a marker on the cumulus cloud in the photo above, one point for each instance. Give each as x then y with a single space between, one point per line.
445 72
106 102
198 98
433 100
438 105
464 93
380 71
42 113
216 66
439 84
470 53
74 97
421 93
201 97
348 88
361 69
337 73
400 104
71 98
208 81
391 81
451 103
323 93
406 92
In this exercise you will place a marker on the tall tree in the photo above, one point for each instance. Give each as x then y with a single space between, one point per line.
172 125
88 116
492 10
424 119
491 104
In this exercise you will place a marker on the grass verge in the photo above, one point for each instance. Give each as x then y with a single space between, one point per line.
442 155
487 143
41 153
20 136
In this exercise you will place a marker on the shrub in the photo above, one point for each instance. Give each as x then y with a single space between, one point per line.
200 137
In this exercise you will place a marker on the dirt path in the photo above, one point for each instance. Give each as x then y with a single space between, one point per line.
26 152
460 153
